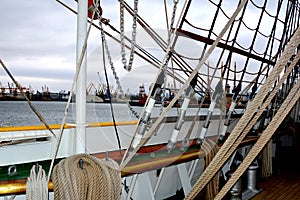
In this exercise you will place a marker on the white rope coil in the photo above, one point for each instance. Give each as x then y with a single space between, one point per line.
37 184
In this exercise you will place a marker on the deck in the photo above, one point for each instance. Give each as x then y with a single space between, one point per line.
285 183
283 186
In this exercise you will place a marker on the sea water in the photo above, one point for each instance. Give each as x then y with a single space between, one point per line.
19 113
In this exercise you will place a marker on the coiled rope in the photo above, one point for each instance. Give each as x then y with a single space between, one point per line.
37 184
85 177
210 148
267 169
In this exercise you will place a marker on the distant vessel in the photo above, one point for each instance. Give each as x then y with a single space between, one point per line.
139 99
12 93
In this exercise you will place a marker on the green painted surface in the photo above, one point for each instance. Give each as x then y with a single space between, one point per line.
23 170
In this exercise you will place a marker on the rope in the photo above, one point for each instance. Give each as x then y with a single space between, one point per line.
267 169
105 49
168 50
253 40
210 149
85 177
218 7
245 123
283 111
28 101
251 123
37 184
266 103
78 67
184 86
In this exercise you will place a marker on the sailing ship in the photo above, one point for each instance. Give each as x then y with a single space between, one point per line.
172 152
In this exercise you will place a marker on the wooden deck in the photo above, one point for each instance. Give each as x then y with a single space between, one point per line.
285 183
284 186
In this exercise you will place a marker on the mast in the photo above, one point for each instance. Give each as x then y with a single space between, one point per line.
80 136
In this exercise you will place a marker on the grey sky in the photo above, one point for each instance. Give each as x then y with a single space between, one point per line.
37 42
37 38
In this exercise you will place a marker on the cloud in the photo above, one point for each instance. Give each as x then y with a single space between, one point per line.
37 41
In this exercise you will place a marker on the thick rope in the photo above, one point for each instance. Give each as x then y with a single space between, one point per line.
259 112
283 111
266 103
37 184
85 177
244 125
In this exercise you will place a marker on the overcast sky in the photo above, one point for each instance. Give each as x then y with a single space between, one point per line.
37 42
37 39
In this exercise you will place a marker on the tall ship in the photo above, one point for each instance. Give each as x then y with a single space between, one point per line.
228 130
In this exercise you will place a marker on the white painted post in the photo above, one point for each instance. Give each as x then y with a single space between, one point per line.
81 81
184 178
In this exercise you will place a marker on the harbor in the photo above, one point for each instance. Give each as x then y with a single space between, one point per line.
13 93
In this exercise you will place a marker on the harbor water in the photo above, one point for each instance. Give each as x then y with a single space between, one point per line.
18 113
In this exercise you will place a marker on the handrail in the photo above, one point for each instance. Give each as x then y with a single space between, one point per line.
139 165
66 126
